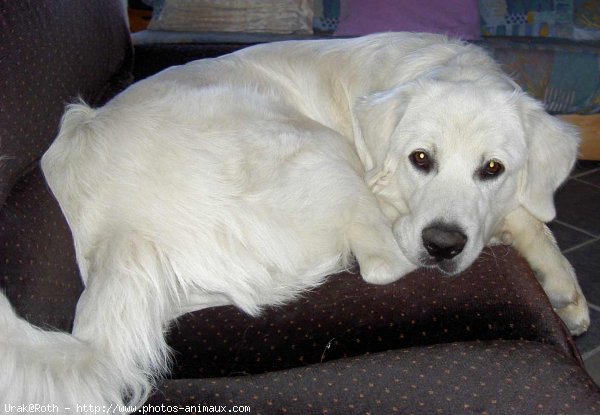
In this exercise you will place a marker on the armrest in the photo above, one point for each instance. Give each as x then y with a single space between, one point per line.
496 298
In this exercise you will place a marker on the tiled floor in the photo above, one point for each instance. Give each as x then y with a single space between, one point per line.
577 229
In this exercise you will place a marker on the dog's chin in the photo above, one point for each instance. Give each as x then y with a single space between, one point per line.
447 267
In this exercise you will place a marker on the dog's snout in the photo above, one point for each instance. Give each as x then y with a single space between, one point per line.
443 242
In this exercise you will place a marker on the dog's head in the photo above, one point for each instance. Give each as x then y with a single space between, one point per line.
449 159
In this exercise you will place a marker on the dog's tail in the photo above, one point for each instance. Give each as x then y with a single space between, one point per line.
117 349
38 369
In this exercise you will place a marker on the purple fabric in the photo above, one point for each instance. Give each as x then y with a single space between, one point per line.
457 18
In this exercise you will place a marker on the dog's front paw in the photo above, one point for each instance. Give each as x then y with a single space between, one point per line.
379 269
560 284
561 287
576 315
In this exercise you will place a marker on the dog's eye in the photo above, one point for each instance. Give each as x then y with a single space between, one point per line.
491 169
421 160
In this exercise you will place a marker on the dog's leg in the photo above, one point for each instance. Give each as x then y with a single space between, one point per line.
131 296
536 243
117 348
373 244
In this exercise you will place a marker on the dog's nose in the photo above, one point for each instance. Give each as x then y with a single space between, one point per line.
443 242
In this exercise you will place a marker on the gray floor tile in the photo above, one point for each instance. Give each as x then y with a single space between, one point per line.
584 166
592 365
591 178
591 339
568 237
578 204
586 261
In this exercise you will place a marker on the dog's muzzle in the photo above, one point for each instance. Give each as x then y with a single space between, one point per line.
443 242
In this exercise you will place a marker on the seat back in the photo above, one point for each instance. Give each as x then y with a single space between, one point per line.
51 53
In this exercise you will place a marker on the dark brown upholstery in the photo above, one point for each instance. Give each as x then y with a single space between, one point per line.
496 377
52 53
484 342
496 298
37 267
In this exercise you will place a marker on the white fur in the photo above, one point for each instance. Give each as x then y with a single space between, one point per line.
247 179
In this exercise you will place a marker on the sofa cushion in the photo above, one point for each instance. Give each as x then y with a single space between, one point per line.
492 377
567 19
37 259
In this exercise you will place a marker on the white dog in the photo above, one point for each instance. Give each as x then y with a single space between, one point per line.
248 178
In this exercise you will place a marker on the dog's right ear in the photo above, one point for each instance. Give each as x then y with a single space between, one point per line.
375 120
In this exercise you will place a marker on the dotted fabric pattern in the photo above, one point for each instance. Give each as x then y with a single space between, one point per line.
51 52
497 297
37 266
487 378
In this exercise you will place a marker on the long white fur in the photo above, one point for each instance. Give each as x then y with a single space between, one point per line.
247 179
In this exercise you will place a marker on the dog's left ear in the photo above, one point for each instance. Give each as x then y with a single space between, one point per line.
552 150
375 121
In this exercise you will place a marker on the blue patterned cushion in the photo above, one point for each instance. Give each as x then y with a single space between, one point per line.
569 19
565 75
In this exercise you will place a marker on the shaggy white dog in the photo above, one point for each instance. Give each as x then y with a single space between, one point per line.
248 178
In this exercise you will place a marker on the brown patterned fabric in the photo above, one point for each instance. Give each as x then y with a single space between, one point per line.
496 298
37 260
51 52
486 378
